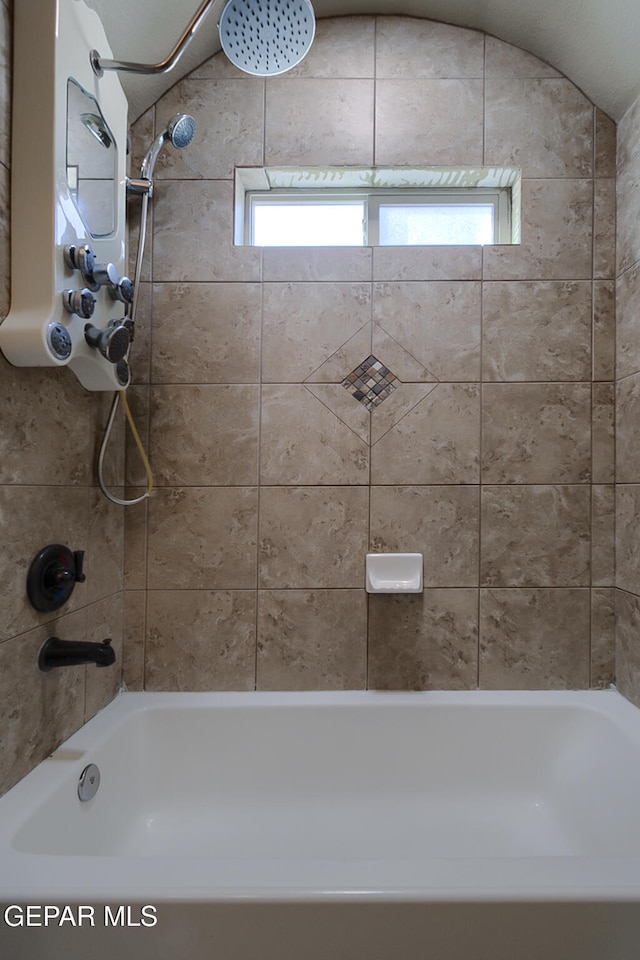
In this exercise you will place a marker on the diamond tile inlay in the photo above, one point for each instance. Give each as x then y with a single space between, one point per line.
371 382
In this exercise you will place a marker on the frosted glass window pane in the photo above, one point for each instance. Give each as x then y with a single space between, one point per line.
308 224
433 224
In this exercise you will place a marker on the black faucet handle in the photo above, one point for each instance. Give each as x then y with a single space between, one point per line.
53 573
78 561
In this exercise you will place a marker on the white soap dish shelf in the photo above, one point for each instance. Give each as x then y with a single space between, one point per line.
394 573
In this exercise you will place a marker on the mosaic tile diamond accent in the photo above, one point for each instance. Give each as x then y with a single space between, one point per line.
371 382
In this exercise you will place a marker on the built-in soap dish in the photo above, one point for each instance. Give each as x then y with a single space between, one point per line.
394 573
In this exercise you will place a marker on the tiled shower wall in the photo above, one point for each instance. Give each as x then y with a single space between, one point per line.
628 408
493 456
48 430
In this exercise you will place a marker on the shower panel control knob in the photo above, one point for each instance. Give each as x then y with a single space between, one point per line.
122 290
82 302
82 259
112 343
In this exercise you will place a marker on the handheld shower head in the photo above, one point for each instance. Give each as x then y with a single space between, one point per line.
179 131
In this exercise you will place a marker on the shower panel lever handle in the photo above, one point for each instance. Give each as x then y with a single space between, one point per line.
78 559
105 275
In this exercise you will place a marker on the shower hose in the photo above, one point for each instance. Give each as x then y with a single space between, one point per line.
120 397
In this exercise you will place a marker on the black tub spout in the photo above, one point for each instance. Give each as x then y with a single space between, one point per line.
71 653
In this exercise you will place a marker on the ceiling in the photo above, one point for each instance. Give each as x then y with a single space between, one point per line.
596 43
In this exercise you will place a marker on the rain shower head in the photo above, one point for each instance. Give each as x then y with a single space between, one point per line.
261 37
266 37
179 132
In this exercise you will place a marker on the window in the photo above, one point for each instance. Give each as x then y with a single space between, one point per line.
310 207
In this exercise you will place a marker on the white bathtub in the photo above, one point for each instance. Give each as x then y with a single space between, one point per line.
332 826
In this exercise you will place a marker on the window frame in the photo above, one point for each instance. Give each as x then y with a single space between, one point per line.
501 185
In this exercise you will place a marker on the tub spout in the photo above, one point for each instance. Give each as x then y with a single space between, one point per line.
70 653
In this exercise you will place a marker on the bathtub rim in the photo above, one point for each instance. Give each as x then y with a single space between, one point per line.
100 878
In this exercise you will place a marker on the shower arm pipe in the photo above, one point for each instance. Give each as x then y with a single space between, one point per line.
99 65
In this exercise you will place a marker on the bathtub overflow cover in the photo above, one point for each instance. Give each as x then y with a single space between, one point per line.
89 782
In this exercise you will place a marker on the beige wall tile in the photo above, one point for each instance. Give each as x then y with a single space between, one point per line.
30 519
628 166
193 234
140 353
37 710
605 145
106 620
429 642
319 122
5 286
603 433
5 84
206 333
344 360
604 330
536 330
139 400
135 541
345 407
603 653
316 263
628 429
604 228
202 538
627 647
536 432
312 639
557 228
305 323
627 326
628 537
544 126
429 49
603 535
313 536
438 441
104 548
427 263
428 121
301 441
535 536
438 323
205 434
531 639
229 127
134 633
51 416
505 60
342 47
441 522
201 640
404 364
404 398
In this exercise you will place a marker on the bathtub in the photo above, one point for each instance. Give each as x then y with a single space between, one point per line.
332 826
